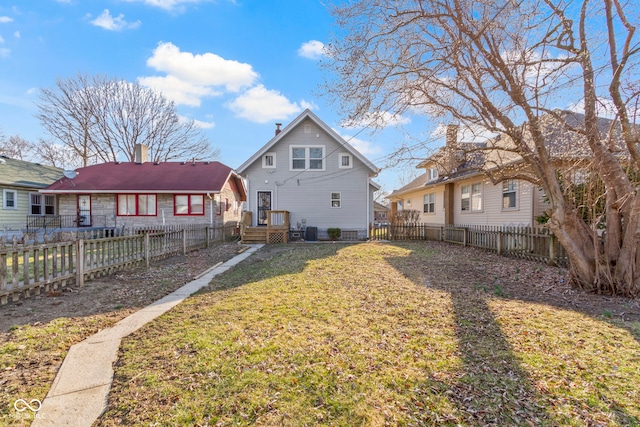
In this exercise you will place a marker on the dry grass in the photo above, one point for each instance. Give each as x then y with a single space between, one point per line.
40 330
377 334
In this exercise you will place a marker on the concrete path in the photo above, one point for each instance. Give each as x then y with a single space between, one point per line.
80 391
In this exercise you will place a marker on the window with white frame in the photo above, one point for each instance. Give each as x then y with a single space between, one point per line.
471 198
9 199
509 194
433 174
429 203
335 200
42 204
269 160
137 205
310 157
345 161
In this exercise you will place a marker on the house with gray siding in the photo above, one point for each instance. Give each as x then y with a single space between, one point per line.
313 174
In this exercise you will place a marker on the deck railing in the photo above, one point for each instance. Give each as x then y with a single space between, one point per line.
277 226
53 222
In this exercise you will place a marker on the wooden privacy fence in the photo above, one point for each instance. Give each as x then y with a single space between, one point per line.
533 243
27 270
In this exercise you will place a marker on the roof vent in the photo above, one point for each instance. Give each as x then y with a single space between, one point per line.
183 163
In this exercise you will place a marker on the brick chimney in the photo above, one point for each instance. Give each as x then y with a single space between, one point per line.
452 160
141 154
278 128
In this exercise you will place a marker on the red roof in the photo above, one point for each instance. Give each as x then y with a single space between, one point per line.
166 177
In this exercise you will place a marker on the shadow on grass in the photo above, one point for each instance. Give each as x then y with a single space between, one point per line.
493 388
273 261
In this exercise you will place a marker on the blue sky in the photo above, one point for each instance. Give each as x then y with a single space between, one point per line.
236 67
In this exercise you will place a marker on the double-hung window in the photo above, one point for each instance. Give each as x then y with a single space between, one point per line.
335 200
471 197
42 204
509 194
188 204
430 203
137 205
9 199
309 157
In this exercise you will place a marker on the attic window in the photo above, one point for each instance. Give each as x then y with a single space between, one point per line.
307 129
345 161
433 174
269 161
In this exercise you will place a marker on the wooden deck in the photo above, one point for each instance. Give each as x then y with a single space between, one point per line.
276 230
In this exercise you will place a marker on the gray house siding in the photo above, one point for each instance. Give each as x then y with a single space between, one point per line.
307 194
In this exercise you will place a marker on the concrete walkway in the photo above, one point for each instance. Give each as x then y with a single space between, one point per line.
80 391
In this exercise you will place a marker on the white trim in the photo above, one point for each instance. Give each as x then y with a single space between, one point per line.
264 160
349 161
4 199
339 199
307 158
514 191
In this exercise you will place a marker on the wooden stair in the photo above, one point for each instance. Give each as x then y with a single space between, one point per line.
254 235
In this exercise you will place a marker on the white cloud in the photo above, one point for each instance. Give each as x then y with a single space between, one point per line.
5 19
366 148
1 39
198 123
313 49
604 108
382 119
108 22
190 77
32 90
261 105
166 4
207 69
4 52
16 34
179 91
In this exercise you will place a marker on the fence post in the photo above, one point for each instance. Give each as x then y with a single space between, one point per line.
499 242
184 241
552 249
464 237
147 249
80 262
206 230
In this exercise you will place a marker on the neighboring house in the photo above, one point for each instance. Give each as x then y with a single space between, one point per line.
19 184
310 171
141 194
380 212
455 188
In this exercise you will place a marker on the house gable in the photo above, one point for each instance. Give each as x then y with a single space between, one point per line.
308 170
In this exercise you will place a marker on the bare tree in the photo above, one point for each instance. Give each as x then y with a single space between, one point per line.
102 119
506 66
57 155
16 147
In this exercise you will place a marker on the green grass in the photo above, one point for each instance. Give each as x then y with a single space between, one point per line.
373 334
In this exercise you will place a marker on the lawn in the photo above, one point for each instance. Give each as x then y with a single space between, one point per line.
379 334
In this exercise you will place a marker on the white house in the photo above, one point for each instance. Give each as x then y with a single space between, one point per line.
308 170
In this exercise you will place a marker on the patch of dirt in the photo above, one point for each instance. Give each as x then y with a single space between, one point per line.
123 292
